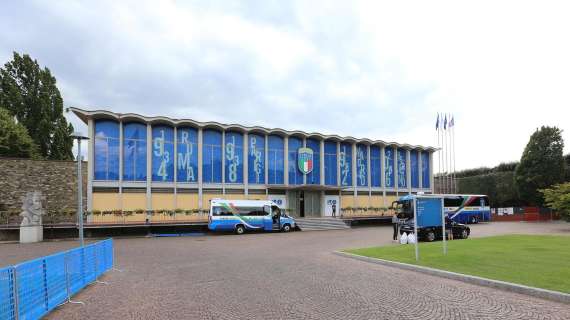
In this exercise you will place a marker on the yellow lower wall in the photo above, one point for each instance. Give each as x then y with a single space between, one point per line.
187 201
163 201
106 201
206 197
134 201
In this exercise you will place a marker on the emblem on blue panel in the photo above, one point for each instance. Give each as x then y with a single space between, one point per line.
305 160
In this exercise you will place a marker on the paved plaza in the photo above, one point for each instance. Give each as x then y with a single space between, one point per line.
284 276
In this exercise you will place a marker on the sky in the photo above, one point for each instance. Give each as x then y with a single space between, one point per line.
367 69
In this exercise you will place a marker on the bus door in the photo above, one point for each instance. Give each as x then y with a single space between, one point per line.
276 217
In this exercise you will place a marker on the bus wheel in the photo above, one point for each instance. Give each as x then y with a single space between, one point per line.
286 228
240 229
473 219
430 236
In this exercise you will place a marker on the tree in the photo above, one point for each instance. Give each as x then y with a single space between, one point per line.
558 198
14 138
31 95
541 165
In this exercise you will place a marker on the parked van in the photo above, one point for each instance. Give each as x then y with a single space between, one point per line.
242 215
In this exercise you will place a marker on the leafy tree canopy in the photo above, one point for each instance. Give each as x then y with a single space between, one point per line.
31 95
558 198
541 165
14 138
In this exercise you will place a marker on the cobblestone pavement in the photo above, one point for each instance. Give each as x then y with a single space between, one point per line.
289 276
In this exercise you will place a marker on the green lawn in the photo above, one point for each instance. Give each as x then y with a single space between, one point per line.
536 261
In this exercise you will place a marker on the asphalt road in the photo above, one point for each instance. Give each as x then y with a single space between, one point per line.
287 276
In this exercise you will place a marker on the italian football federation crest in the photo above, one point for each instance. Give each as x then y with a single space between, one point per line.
305 160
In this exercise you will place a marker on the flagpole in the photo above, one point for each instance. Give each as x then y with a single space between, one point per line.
454 172
445 164
450 163
438 181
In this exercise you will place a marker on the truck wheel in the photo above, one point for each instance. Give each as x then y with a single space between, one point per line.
286 228
240 229
430 236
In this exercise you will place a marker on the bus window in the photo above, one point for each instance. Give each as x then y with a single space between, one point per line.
452 201
220 211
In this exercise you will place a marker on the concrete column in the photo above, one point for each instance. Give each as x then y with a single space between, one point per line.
408 172
322 161
354 180
431 188
420 166
266 166
395 165
286 160
245 164
223 162
338 164
368 174
90 163
200 169
304 146
383 174
121 163
148 166
175 157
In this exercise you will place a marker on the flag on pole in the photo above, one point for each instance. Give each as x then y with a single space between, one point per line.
437 122
445 123
452 121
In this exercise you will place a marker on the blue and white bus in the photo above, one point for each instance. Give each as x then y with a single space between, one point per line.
242 215
461 208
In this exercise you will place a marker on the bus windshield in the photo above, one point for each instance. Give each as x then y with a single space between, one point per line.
404 208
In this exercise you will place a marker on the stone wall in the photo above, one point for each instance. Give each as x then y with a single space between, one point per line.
57 180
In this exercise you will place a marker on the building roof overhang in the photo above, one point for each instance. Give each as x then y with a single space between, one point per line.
86 115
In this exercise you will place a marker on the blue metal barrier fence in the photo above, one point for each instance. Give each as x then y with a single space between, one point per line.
31 289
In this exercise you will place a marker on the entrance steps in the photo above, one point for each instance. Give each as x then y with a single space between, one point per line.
311 224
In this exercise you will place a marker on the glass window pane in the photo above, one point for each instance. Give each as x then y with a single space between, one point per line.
295 175
375 166
212 156
345 161
106 150
256 159
276 154
425 170
162 154
234 157
402 177
330 163
134 151
314 177
389 167
414 163
361 165
187 149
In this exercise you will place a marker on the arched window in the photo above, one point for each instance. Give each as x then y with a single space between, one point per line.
212 156
295 175
330 163
389 158
134 151
361 165
187 149
402 168
234 157
375 166
314 177
414 170
276 159
345 161
162 154
256 159
106 150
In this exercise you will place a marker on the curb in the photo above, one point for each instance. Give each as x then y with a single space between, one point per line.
497 284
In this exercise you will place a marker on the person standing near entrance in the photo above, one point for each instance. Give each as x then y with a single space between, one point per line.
395 222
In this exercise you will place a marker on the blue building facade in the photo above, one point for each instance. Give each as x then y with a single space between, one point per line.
184 159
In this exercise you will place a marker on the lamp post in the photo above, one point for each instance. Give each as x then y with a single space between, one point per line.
78 136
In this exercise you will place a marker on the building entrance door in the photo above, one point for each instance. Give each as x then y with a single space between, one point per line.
312 203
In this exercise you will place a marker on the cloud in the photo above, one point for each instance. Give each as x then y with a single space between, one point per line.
380 70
